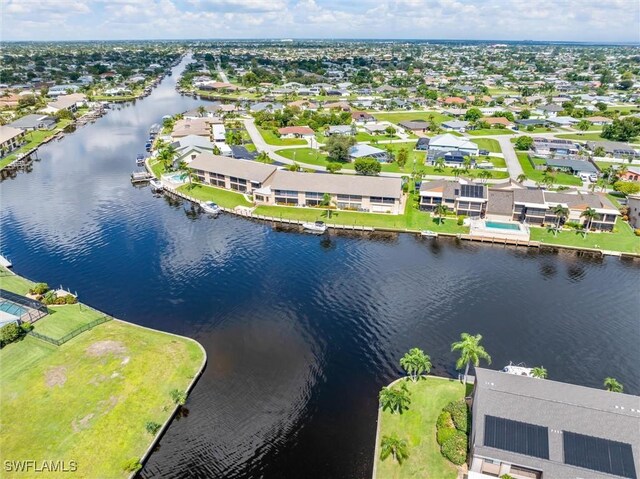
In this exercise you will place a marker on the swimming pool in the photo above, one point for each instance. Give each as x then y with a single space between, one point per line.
502 226
177 178
11 308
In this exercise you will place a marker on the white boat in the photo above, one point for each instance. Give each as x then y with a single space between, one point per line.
429 234
316 227
156 185
210 207
518 369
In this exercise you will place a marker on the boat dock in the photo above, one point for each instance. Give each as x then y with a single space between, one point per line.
140 177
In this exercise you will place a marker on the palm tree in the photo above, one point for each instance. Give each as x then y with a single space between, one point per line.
466 164
539 372
521 178
395 400
186 172
589 214
612 385
263 157
394 447
584 125
485 175
439 164
561 213
415 363
440 211
201 110
470 352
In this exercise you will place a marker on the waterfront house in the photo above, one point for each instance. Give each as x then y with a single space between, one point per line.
65 102
218 132
194 126
34 121
296 132
633 202
190 146
449 142
10 139
534 428
367 151
509 201
348 192
229 173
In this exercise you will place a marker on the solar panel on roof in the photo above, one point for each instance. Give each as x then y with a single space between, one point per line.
516 436
472 191
598 454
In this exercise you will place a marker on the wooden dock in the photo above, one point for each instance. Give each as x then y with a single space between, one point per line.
141 177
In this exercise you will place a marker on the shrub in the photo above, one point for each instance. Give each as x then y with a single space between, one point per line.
444 420
637 231
9 333
152 427
132 465
49 297
573 224
178 397
39 288
444 434
459 413
455 448
26 327
70 299
506 476
460 220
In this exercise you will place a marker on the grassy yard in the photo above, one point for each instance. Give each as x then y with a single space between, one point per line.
417 426
157 167
364 136
89 399
412 219
64 319
34 138
272 139
490 131
488 144
581 136
538 175
409 116
622 239
14 283
224 198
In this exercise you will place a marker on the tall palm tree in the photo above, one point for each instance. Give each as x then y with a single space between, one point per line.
612 385
394 447
561 213
539 372
466 164
396 400
439 164
485 175
589 214
201 110
440 211
415 363
470 352
521 178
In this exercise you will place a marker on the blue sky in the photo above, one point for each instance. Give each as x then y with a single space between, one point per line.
563 20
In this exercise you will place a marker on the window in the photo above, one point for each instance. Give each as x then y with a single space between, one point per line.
286 193
238 184
217 179
382 200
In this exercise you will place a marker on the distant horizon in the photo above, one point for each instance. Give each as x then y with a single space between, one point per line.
554 21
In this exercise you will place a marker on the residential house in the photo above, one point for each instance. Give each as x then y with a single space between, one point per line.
229 173
548 111
266 106
454 100
194 126
218 132
632 174
10 139
633 202
566 121
615 149
339 130
449 142
531 122
296 132
415 126
303 105
367 151
190 146
459 126
461 196
553 146
65 102
599 120
362 117
525 427
497 121
34 122
338 105
375 128
348 192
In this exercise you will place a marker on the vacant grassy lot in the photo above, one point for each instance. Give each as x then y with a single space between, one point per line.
224 198
272 139
538 175
622 239
490 131
89 399
433 116
488 144
417 426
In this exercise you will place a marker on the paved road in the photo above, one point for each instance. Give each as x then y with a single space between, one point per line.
223 75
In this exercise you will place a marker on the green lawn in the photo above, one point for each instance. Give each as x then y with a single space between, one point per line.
417 426
412 219
488 144
224 198
408 116
538 129
157 167
64 319
89 400
581 136
34 139
490 131
622 239
625 109
115 99
538 175
364 136
272 139
14 283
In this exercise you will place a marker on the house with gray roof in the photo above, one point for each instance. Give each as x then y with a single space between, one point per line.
455 125
532 428
229 173
34 122
340 130
367 151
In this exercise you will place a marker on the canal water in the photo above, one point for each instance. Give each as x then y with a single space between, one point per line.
301 331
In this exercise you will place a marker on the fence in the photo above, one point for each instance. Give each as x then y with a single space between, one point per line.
72 334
